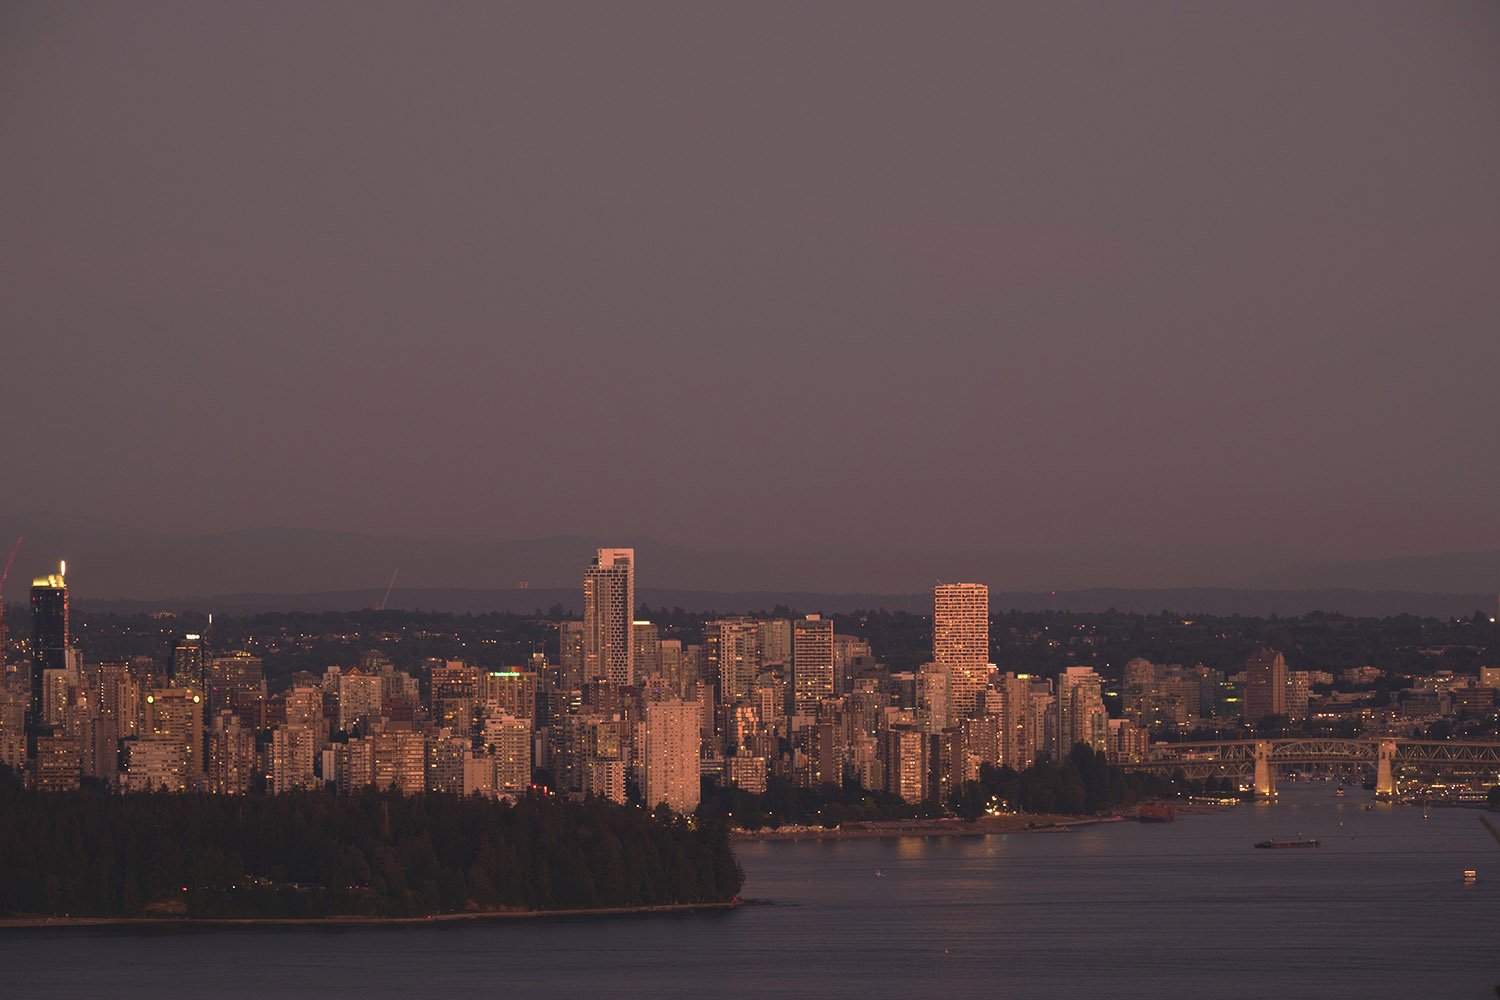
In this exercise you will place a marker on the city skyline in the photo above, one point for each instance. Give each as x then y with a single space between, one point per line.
619 707
748 476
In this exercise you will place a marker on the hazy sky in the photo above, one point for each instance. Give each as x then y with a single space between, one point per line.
1190 276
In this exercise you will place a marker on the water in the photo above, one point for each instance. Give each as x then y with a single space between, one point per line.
1124 910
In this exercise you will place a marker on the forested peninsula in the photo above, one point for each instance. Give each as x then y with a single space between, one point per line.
91 854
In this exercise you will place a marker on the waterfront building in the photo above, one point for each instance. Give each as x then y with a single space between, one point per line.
1265 685
1128 742
748 773
1298 693
608 612
669 754
1081 717
905 756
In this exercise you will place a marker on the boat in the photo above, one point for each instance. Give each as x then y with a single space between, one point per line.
1154 812
1339 791
1288 843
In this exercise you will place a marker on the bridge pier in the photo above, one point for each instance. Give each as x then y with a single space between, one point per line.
1265 774
1385 778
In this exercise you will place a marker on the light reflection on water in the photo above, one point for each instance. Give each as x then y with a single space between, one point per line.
1187 909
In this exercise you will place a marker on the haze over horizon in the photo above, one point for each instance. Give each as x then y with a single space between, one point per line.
1145 295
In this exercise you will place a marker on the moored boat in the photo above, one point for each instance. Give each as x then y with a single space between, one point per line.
1288 843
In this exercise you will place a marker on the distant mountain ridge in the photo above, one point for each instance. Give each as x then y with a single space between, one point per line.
260 566
1183 601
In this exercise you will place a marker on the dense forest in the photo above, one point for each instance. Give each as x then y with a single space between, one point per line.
1083 785
90 853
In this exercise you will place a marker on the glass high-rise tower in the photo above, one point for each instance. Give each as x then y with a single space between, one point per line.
49 632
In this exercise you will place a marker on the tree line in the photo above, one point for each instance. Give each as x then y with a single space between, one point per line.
90 853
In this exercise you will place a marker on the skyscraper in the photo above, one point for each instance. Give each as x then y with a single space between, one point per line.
961 624
49 632
570 656
1265 685
669 754
1081 717
812 663
732 650
961 645
608 612
645 637
187 662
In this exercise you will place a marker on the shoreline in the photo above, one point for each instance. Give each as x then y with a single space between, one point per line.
28 923
982 827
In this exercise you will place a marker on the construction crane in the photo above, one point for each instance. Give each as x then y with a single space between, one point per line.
388 587
8 563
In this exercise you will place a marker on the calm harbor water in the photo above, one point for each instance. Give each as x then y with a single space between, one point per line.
1122 910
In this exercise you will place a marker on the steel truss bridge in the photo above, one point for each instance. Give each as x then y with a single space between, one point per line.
1262 758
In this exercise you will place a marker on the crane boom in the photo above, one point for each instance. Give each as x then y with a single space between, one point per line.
388 587
3 574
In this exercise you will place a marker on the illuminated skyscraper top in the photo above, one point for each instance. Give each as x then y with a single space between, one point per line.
49 631
961 624
608 612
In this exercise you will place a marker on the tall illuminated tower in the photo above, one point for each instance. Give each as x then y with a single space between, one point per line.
49 632
961 624
812 662
608 612
187 662
961 645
